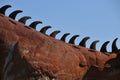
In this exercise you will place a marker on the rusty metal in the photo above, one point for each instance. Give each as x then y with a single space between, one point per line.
28 54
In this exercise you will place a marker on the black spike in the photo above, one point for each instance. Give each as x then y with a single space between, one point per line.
44 29
64 36
103 48
114 47
73 39
54 33
34 24
93 45
14 14
83 42
4 8
24 19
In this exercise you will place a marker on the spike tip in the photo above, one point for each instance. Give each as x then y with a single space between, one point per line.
103 48
4 8
114 47
54 33
24 19
64 36
93 45
34 24
73 39
44 29
83 42
14 14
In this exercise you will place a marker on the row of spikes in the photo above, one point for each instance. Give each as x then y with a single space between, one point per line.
53 34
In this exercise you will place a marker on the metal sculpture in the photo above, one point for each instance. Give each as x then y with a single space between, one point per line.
27 54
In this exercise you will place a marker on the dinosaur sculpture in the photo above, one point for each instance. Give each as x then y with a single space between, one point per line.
111 73
27 54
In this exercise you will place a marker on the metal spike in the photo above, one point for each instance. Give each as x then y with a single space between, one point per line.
114 47
93 45
34 24
64 36
24 19
73 39
103 48
83 42
14 14
44 29
4 8
54 33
